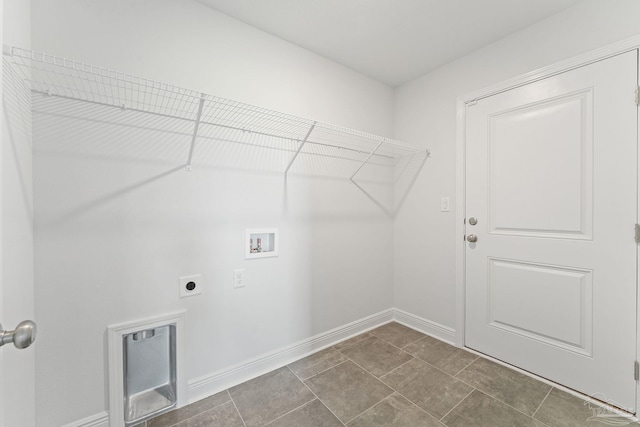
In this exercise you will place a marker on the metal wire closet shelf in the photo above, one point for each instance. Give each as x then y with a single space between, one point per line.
231 121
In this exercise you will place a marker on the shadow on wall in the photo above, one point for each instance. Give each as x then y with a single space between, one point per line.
385 176
115 206
16 103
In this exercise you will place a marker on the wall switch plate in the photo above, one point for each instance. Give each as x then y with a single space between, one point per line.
190 285
238 278
444 204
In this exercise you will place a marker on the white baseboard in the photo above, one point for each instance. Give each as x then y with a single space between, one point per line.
205 386
97 420
215 382
425 326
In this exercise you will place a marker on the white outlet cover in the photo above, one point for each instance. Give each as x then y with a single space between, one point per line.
184 280
238 278
444 204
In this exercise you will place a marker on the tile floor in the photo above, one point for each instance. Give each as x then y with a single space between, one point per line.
390 376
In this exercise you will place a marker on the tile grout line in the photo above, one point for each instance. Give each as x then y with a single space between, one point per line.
488 394
397 391
320 400
540 405
377 379
441 370
181 422
197 414
399 348
318 373
504 403
394 346
339 351
390 343
352 344
418 407
455 406
423 361
293 410
470 363
398 367
236 406
413 342
312 354
427 362
370 407
372 337
313 376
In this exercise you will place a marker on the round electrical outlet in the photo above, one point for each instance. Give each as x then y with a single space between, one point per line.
191 285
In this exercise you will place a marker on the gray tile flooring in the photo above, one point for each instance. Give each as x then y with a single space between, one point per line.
390 376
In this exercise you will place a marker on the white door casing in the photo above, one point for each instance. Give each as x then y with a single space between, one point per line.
17 367
551 175
2 363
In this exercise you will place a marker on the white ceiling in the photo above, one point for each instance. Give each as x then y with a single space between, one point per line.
393 41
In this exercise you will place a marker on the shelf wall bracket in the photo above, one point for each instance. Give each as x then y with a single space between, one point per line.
366 160
195 132
304 141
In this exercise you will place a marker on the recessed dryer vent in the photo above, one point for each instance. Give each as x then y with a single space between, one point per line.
150 386
146 369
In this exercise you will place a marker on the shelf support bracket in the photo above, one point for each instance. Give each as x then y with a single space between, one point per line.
195 132
366 160
304 141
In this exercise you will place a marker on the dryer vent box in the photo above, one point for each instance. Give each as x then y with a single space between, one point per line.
150 386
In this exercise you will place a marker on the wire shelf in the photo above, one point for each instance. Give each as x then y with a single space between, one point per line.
211 119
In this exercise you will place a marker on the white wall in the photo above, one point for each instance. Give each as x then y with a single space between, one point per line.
117 219
195 47
425 113
16 228
117 223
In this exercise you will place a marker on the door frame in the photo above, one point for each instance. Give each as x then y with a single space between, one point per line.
596 55
2 367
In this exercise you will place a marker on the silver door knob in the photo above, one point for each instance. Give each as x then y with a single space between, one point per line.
472 238
22 336
473 221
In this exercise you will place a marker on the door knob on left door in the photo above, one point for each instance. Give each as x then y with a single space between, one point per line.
472 238
22 336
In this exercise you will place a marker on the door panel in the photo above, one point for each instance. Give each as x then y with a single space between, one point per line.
550 304
551 176
515 198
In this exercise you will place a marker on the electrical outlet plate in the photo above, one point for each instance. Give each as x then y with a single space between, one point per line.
190 285
238 278
444 204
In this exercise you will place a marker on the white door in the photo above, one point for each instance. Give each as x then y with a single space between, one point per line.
551 177
17 367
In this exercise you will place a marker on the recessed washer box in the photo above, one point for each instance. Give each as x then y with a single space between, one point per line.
261 243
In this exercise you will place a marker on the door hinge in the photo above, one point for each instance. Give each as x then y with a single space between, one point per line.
638 96
637 233
636 370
